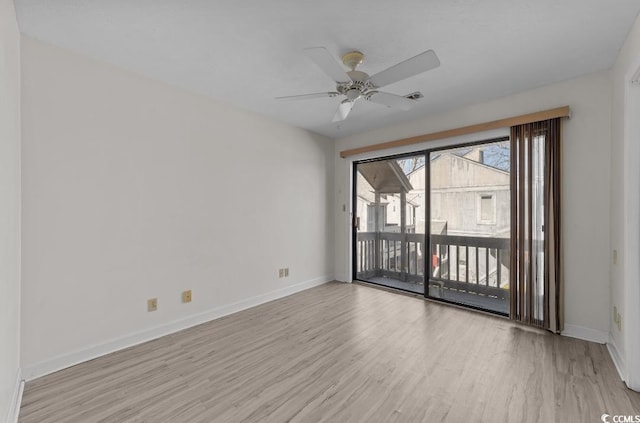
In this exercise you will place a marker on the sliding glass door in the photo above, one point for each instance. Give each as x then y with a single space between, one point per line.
389 224
463 254
470 226
476 224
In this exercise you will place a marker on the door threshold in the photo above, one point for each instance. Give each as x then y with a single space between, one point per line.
433 300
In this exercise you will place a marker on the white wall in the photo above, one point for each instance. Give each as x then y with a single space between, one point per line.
9 205
586 174
625 160
134 189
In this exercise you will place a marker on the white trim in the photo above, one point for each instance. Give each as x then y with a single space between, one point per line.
70 359
631 229
635 79
586 334
16 399
617 359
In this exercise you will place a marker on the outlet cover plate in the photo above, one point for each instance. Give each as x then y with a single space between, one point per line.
186 296
152 304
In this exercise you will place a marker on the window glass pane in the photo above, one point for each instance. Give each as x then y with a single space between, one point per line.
470 193
391 213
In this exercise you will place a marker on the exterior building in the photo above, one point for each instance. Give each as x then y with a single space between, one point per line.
468 196
389 205
470 199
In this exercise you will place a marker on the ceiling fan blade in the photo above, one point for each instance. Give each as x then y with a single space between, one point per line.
307 96
410 67
391 100
343 111
327 63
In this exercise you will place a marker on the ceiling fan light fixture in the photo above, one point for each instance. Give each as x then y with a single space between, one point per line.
353 94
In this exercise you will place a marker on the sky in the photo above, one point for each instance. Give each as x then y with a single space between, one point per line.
496 155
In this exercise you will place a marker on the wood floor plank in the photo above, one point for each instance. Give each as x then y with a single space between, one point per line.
341 353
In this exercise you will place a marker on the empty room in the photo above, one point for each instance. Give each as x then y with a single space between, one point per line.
293 211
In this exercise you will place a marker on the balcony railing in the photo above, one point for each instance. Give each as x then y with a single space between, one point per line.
477 265
381 254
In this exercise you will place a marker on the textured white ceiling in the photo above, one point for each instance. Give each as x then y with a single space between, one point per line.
246 52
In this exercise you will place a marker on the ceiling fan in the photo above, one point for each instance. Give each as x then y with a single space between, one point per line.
355 84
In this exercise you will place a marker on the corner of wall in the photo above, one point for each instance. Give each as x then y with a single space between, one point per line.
586 334
617 358
10 212
16 399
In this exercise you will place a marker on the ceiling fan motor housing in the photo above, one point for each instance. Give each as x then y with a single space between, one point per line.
358 86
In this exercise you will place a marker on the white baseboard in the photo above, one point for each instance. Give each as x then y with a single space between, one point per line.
586 334
16 399
46 367
614 352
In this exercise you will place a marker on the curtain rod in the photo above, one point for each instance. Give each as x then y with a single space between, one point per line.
559 112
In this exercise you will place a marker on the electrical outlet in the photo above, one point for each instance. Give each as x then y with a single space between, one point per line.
617 318
152 304
283 272
619 321
186 296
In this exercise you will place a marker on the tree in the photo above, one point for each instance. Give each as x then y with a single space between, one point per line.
498 156
411 164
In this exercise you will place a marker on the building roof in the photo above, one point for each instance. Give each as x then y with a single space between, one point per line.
386 177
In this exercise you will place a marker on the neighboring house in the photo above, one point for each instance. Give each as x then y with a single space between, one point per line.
471 197
468 198
458 183
389 203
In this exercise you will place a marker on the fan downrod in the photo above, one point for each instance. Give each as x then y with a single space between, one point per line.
352 59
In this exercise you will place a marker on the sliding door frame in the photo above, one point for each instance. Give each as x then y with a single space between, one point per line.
354 203
428 207
428 252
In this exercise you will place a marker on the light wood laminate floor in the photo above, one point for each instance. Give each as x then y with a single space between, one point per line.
341 353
